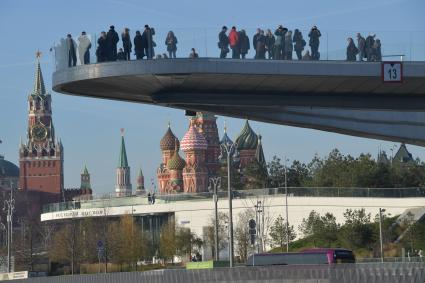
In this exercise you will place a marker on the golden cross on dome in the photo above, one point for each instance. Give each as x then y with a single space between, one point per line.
38 54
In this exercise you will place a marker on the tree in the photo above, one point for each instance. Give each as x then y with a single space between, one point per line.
323 230
235 176
129 244
279 234
357 232
255 176
223 220
65 245
242 236
167 241
187 242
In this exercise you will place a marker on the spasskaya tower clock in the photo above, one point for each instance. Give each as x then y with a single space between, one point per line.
41 155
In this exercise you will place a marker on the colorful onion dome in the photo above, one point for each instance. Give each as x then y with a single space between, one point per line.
247 138
169 140
176 162
225 139
193 140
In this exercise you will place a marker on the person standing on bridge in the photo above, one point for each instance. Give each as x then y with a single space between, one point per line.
171 42
243 43
138 46
370 40
84 46
279 42
223 43
234 43
126 43
261 45
289 48
149 44
361 45
351 50
314 43
71 47
112 39
270 41
193 54
102 48
376 51
299 43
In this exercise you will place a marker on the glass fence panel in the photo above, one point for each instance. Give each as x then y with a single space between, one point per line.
111 201
85 49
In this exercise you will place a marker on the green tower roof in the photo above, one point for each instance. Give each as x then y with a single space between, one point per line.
39 88
122 161
247 138
85 171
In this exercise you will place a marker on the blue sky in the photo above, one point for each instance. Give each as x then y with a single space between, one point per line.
89 128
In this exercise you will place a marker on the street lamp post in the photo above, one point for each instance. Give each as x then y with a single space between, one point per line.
215 183
230 150
9 206
286 207
380 233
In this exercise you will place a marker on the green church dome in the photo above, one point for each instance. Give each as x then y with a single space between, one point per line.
176 162
247 138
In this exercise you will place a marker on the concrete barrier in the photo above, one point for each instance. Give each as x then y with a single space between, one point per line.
349 273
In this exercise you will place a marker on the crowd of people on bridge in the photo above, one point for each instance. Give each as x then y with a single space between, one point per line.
369 48
277 45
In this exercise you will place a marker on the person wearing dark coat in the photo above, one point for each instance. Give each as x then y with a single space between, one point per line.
112 39
279 42
243 43
171 42
270 41
138 46
148 34
261 46
223 43
126 43
370 40
193 54
351 50
255 41
289 47
361 45
102 48
314 42
71 48
299 43
376 51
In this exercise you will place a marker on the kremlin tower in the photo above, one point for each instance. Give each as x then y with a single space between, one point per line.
140 181
195 174
123 184
41 156
85 180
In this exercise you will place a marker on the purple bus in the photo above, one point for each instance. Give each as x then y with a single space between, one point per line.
308 256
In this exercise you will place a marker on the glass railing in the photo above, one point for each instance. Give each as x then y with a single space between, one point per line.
408 46
110 200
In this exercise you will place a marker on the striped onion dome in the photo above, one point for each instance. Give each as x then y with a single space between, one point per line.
193 140
247 138
176 162
169 140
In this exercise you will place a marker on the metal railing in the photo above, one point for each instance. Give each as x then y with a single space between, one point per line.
333 43
110 200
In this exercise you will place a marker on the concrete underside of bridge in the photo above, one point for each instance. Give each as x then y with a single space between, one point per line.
335 96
